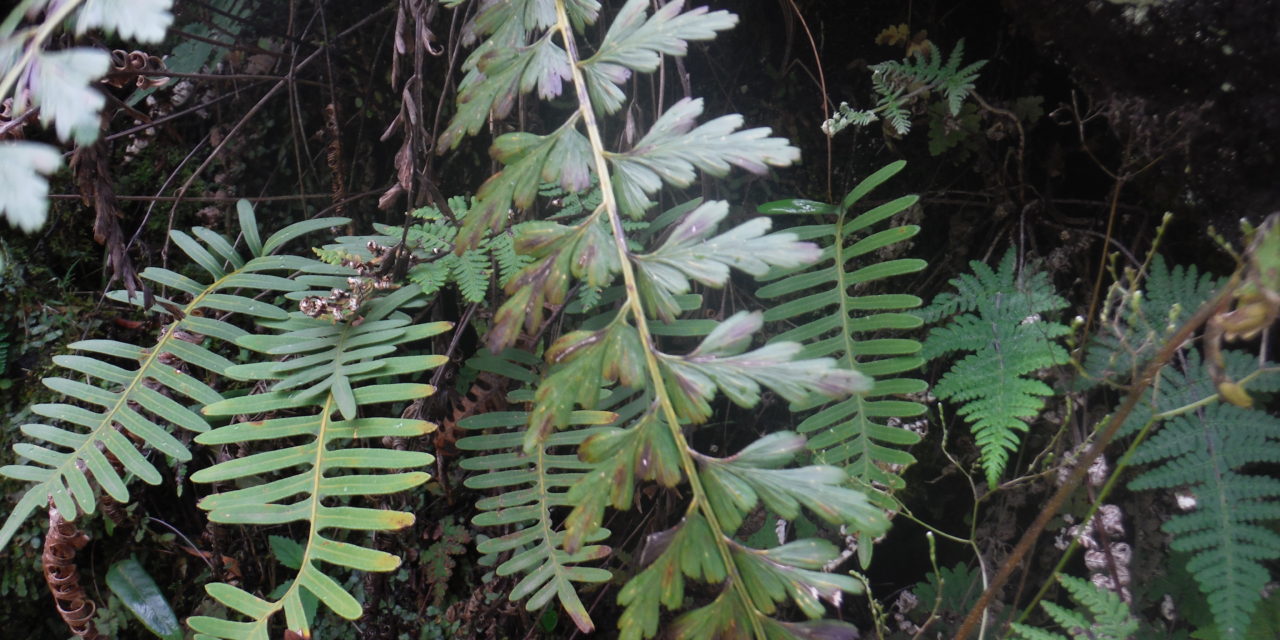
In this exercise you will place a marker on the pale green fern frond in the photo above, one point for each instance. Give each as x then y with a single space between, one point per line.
530 488
1105 615
329 372
854 329
619 350
158 389
997 318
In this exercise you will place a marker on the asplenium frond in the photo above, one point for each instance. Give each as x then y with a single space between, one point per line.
997 318
839 323
618 350
1107 617
130 405
1228 532
329 371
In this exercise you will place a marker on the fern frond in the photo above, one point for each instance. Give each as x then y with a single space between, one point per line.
531 488
1206 452
1108 617
132 404
333 369
855 433
996 317
1138 317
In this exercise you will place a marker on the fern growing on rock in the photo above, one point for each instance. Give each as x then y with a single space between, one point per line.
998 319
535 44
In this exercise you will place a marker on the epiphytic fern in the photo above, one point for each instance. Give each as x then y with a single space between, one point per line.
1206 451
850 327
329 372
131 404
1108 616
997 318
534 44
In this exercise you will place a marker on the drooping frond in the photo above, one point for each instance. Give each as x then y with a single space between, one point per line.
1105 615
997 318
329 372
1229 531
131 403
857 433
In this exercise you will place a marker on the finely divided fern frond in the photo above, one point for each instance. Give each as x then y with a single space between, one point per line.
1138 317
997 318
132 404
854 433
330 371
432 245
1108 616
1206 452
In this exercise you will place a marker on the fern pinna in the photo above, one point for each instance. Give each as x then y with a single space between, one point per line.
331 370
997 317
133 403
856 432
534 44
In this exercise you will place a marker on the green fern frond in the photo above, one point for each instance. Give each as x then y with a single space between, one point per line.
1107 618
1138 316
159 389
619 350
996 317
897 84
855 433
331 371
1206 452
531 488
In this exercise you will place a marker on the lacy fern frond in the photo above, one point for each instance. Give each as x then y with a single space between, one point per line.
997 318
897 83
1229 532
1139 315
530 489
130 405
852 328
1105 615
329 371
431 245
